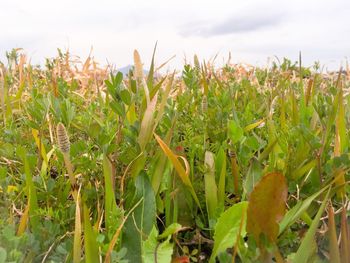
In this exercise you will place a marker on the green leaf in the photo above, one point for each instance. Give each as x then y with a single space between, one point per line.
253 176
181 171
118 108
235 132
141 219
31 190
90 239
155 252
173 228
308 245
298 210
220 165
228 227
3 255
210 188
150 77
111 209
77 231
125 96
118 79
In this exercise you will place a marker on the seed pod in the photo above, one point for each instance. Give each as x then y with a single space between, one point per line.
138 66
196 63
204 104
62 138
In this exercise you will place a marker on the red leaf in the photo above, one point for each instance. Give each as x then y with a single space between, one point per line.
267 206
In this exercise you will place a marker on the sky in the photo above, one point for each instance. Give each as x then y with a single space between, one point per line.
253 31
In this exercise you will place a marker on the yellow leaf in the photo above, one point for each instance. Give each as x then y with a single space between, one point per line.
181 171
147 123
12 188
40 145
24 221
253 125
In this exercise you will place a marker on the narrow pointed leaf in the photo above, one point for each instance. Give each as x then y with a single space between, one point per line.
308 245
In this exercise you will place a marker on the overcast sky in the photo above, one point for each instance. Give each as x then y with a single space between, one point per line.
252 30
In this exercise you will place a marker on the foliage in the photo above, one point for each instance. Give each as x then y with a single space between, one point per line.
209 164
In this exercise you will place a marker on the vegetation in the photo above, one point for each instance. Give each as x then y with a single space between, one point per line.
237 164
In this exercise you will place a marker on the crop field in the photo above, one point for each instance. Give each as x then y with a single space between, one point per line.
206 164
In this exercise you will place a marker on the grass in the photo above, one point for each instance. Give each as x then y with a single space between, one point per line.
230 164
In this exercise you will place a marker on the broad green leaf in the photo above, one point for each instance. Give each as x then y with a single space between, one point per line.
308 245
228 227
125 96
153 251
118 108
235 132
141 219
267 206
3 255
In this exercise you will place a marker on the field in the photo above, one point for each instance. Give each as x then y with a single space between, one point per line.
231 164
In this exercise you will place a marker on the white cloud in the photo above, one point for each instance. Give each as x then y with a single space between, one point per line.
252 30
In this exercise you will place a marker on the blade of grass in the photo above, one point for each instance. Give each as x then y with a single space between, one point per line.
210 187
340 139
220 165
90 243
305 250
77 231
344 232
110 203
